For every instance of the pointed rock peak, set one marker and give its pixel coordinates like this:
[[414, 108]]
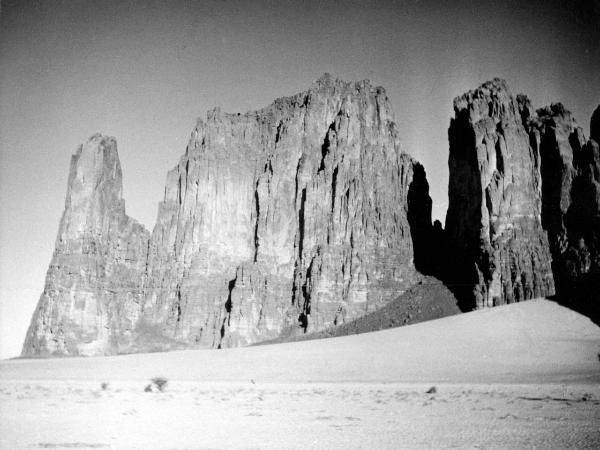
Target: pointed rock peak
[[101, 142], [595, 125], [556, 114], [326, 79], [213, 114], [95, 170], [493, 99], [555, 109], [525, 108], [99, 154], [496, 89], [495, 85]]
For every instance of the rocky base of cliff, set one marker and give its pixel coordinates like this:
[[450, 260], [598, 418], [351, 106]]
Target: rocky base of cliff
[[429, 299]]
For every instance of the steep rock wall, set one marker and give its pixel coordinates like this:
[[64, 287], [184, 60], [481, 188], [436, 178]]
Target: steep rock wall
[[498, 250], [571, 204], [284, 220], [276, 222], [92, 295]]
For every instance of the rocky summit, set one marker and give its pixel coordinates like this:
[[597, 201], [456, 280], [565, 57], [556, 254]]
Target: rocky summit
[[285, 220]]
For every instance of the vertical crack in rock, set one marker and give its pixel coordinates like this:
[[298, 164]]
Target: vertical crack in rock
[[306, 295], [301, 224], [333, 189], [228, 303], [257, 212], [325, 146], [278, 132], [178, 307], [228, 309]]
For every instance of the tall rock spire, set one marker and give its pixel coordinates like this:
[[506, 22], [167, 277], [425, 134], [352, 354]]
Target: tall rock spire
[[499, 249], [92, 294]]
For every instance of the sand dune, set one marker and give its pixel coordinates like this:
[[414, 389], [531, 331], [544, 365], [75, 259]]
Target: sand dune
[[521, 375]]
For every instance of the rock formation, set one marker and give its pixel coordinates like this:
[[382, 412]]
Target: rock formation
[[498, 250], [571, 203], [288, 219], [294, 214], [524, 203], [92, 296]]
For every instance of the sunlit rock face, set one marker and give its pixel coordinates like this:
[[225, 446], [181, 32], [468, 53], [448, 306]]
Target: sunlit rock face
[[498, 249], [92, 297], [279, 221], [283, 220]]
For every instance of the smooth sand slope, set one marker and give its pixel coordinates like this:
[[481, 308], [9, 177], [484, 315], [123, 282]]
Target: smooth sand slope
[[522, 375]]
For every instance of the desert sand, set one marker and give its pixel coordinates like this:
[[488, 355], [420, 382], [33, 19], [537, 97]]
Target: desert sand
[[525, 375]]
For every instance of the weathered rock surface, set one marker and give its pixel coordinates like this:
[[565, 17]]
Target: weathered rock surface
[[92, 297], [524, 203], [429, 299], [285, 220], [498, 250], [571, 204], [295, 214]]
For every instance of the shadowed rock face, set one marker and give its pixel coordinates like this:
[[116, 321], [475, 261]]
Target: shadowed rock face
[[556, 136], [571, 204], [595, 125], [524, 203], [285, 220], [92, 297], [498, 250]]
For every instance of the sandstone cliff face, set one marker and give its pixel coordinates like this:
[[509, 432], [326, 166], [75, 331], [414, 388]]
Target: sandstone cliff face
[[280, 221], [91, 300], [571, 203], [291, 218], [557, 138], [499, 252]]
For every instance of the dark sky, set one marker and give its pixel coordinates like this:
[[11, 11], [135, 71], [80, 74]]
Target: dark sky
[[143, 71]]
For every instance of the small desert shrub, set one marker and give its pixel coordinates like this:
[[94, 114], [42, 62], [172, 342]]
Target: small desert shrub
[[104, 386], [158, 383]]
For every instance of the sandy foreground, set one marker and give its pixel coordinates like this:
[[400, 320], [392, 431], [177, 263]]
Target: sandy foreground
[[519, 376]]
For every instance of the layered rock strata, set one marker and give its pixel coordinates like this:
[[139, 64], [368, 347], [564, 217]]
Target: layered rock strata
[[285, 220], [92, 296], [498, 250], [293, 215]]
